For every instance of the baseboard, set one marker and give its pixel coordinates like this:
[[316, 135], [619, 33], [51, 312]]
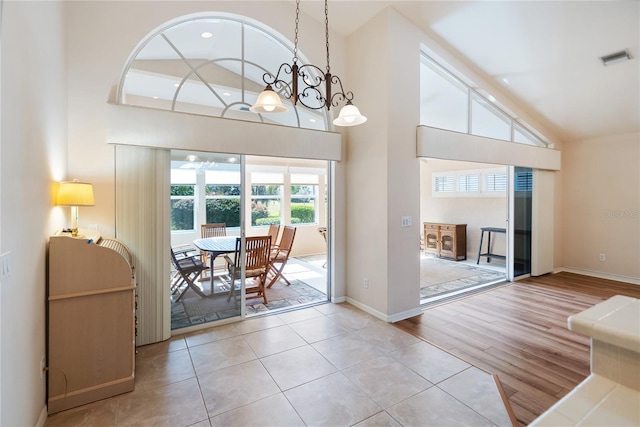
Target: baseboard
[[599, 275], [389, 319], [43, 417]]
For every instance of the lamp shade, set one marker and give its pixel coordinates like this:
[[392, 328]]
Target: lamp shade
[[349, 116], [75, 193], [268, 102]]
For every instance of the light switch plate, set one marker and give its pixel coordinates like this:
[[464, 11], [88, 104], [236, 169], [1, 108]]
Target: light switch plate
[[6, 265], [405, 221]]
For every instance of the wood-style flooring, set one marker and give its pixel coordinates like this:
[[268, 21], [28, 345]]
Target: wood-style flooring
[[519, 333]]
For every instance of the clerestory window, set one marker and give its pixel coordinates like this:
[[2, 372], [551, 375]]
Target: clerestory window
[[212, 65], [446, 102]]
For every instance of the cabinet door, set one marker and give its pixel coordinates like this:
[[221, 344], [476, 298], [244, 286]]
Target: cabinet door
[[431, 239], [447, 242]]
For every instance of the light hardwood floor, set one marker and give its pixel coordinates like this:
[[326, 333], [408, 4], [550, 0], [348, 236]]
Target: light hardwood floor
[[519, 332]]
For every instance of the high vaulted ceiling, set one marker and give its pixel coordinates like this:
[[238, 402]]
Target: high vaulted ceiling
[[544, 54]]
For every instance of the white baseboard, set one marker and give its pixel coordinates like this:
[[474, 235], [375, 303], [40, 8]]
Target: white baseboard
[[599, 275], [43, 417], [389, 319]]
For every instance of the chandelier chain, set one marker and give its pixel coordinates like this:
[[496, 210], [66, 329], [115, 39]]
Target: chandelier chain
[[326, 27], [295, 40]]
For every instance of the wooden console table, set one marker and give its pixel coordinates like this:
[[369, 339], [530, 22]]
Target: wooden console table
[[446, 240]]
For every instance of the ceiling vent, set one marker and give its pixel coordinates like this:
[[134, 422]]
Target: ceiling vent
[[613, 58]]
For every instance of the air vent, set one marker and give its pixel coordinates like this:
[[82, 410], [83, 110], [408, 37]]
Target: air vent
[[613, 58]]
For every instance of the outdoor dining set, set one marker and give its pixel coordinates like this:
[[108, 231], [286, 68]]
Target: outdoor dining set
[[264, 260]]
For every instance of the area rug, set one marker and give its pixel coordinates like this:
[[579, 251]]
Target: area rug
[[440, 276], [193, 309]]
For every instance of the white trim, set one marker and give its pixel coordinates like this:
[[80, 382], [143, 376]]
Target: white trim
[[389, 319], [43, 417], [599, 275], [147, 127], [450, 145]]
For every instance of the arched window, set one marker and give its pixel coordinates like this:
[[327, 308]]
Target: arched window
[[211, 65]]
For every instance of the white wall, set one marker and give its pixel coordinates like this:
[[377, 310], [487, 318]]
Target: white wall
[[601, 205], [33, 144]]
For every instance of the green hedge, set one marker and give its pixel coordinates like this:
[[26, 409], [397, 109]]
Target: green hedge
[[304, 213]]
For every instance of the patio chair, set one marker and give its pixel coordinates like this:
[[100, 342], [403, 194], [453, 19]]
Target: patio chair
[[189, 269], [274, 230], [280, 255], [256, 266], [180, 252], [211, 230]]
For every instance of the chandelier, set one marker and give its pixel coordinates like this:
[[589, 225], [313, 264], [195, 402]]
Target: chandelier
[[309, 85]]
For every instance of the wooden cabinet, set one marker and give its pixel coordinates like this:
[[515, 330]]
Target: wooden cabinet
[[91, 320], [446, 240]]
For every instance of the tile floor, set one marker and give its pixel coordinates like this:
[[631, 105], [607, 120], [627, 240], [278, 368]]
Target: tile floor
[[328, 365]]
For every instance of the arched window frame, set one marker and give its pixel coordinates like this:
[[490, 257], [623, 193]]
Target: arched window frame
[[304, 118]]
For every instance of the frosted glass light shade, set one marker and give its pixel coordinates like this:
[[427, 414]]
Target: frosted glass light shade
[[268, 102], [349, 116]]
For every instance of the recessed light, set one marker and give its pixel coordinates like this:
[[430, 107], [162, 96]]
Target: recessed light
[[155, 97], [232, 160], [312, 120], [226, 94], [615, 57], [206, 35], [176, 84], [491, 98]]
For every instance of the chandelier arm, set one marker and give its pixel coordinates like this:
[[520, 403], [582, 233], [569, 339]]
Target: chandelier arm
[[341, 95], [326, 32]]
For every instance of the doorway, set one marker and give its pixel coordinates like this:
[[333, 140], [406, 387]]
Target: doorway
[[248, 194], [459, 202]]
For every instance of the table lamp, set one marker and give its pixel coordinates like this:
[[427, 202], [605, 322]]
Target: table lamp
[[75, 193]]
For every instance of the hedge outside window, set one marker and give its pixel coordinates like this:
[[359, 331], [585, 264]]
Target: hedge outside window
[[304, 199], [223, 204], [182, 207]]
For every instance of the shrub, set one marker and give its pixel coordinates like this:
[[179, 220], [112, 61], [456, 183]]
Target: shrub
[[268, 220], [182, 214], [224, 210], [304, 213]]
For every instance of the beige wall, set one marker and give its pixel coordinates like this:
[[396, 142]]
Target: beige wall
[[476, 212], [382, 168], [33, 143], [601, 205]]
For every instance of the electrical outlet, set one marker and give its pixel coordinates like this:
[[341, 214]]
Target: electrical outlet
[[43, 367], [603, 257], [366, 283]]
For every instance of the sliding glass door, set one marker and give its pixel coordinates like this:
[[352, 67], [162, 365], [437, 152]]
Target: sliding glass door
[[521, 180], [250, 196]]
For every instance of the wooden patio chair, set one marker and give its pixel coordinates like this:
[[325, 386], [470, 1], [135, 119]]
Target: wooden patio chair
[[180, 252], [218, 229], [189, 269], [256, 258], [274, 231], [280, 255]]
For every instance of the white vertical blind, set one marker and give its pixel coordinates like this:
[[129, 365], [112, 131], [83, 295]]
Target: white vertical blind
[[142, 223]]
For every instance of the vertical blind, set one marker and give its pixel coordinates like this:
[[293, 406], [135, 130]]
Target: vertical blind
[[142, 223]]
